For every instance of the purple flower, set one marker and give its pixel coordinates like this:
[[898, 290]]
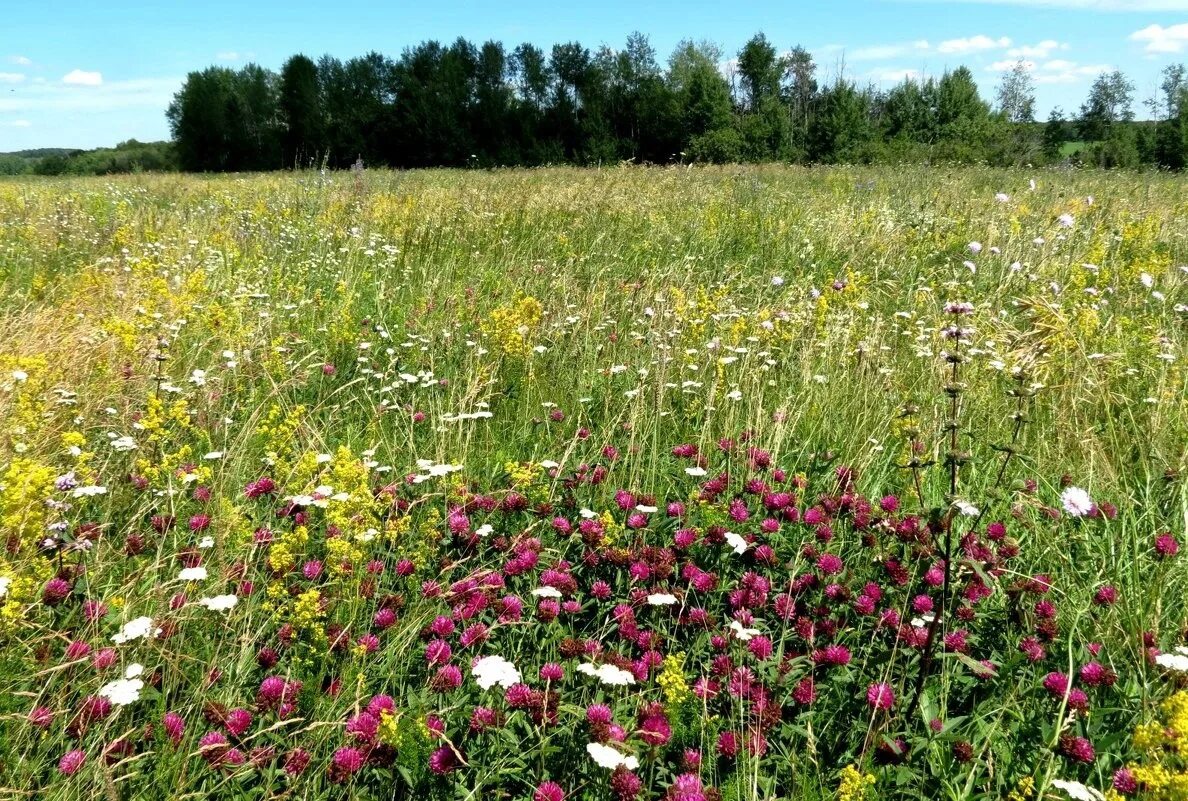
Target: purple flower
[[72, 761]]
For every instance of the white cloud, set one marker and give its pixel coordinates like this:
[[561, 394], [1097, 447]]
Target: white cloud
[[1056, 70], [142, 93], [227, 55], [972, 44], [895, 75], [1009, 64], [1041, 50], [1062, 71], [11, 77], [1159, 39], [21, 60], [1092, 5], [881, 52], [82, 78]]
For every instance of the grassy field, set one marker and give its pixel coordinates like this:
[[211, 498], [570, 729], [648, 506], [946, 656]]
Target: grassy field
[[770, 482]]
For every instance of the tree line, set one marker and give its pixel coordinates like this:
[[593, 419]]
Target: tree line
[[468, 105]]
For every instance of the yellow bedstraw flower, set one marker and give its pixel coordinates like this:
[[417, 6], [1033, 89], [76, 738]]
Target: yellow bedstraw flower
[[854, 785]]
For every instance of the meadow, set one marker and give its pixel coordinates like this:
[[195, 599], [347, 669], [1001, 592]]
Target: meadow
[[633, 483]]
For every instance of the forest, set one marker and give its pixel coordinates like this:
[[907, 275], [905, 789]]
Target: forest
[[485, 105]]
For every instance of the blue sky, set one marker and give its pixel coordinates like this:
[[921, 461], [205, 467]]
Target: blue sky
[[86, 74]]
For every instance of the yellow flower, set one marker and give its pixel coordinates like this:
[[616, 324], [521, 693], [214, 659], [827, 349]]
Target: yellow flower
[[853, 784]]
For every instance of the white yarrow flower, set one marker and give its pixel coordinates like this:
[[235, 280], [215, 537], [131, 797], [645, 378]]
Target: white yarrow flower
[[547, 592], [87, 492], [134, 630], [1177, 662], [696, 472], [219, 603], [492, 670], [661, 599], [122, 692], [192, 574], [607, 674], [123, 444]]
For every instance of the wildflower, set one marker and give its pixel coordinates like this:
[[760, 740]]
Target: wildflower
[[880, 695], [1166, 545], [853, 784], [346, 762], [1125, 782], [296, 761], [1078, 749], [1065, 221], [447, 678], [549, 791], [610, 758], [134, 630], [661, 599], [494, 670], [1076, 501], [1175, 661], [192, 574], [607, 674], [72, 762], [443, 761], [219, 603], [833, 655], [1105, 596], [363, 726], [174, 726], [55, 591], [122, 692]]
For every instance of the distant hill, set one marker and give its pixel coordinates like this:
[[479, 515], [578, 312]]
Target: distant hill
[[129, 156], [42, 152]]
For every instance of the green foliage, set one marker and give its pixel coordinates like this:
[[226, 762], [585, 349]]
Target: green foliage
[[129, 156], [461, 105]]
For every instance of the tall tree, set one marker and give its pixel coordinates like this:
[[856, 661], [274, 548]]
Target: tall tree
[[301, 111], [962, 117], [491, 123], [198, 119], [1109, 102], [759, 69], [841, 129], [1056, 133], [703, 102], [766, 126], [1016, 94], [800, 74]]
